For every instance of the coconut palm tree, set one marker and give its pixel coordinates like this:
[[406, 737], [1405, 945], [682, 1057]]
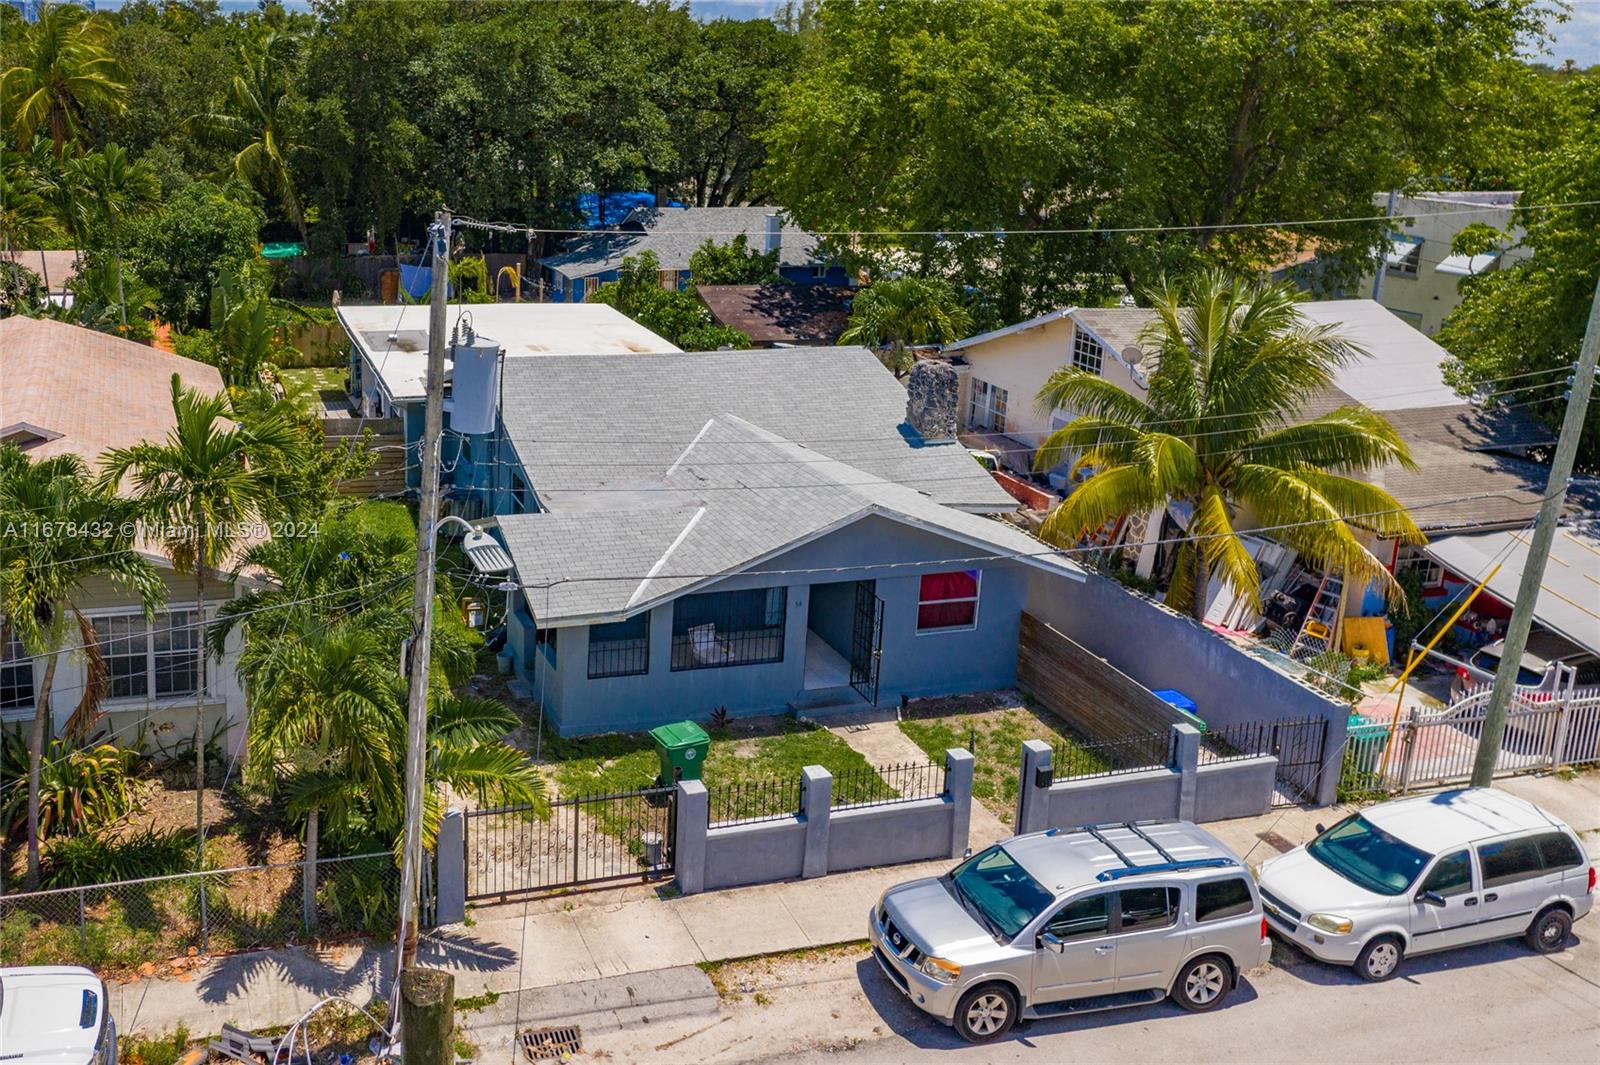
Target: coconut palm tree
[[206, 485], [63, 72], [256, 121], [889, 315], [322, 696], [1221, 429], [43, 571]]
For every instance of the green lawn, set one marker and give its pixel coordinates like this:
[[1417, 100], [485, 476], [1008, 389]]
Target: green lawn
[[315, 378], [751, 769], [993, 724]]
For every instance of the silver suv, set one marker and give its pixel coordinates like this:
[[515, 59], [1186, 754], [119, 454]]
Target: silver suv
[[1430, 873], [1064, 922]]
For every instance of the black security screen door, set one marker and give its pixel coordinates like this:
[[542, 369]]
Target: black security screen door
[[866, 642]]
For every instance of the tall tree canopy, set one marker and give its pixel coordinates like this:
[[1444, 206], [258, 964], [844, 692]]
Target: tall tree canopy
[[1028, 115], [1529, 320]]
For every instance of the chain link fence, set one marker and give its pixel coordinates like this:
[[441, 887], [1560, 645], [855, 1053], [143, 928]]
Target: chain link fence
[[124, 924]]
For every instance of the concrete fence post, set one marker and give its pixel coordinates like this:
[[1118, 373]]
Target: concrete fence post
[[816, 810], [958, 768], [450, 869], [693, 820], [1186, 760], [1033, 788]]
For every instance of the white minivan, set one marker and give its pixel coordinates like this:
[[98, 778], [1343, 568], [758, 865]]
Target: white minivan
[[1429, 873]]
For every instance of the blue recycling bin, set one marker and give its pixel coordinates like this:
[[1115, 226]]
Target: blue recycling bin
[[1181, 702]]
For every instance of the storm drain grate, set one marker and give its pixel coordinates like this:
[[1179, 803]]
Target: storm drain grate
[[551, 1044]]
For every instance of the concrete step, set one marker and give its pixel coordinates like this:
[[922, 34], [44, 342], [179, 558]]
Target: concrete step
[[815, 700]]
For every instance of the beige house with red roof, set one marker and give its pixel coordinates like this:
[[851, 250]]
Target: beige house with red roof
[[65, 389]]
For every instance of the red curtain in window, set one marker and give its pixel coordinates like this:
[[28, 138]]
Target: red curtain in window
[[947, 615], [961, 584]]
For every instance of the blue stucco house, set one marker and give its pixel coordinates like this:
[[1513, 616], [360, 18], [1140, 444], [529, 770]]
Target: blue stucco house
[[389, 357], [673, 234], [754, 530]]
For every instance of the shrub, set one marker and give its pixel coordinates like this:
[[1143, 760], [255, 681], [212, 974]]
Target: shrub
[[79, 790], [95, 859]]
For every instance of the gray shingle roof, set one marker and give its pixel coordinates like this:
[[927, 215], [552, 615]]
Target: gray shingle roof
[[604, 427], [736, 496], [674, 233]]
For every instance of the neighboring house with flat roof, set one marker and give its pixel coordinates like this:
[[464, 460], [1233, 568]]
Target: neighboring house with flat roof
[[1421, 275], [674, 234], [756, 530], [389, 361], [69, 390]]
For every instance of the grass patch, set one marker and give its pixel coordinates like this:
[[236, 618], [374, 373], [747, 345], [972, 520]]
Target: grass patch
[[474, 1003], [315, 378], [158, 1050], [994, 724], [740, 754]]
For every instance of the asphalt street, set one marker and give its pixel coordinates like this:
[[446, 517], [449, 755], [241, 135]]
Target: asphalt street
[[1493, 1003]]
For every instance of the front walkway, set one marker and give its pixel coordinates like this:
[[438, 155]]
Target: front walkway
[[534, 945]]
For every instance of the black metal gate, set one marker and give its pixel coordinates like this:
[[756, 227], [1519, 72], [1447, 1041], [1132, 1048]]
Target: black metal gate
[[866, 642], [1300, 747], [567, 843]]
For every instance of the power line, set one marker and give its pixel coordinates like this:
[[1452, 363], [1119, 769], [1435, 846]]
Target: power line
[[963, 232]]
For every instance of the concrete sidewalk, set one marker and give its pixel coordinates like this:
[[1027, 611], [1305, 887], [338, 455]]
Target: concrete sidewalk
[[584, 937]]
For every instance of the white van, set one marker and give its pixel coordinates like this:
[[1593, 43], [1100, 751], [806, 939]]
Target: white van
[[57, 1014], [1426, 874]]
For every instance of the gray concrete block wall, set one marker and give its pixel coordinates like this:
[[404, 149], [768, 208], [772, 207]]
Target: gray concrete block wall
[[1234, 789], [1147, 795], [866, 836], [1161, 648], [755, 853], [820, 839], [1186, 789]]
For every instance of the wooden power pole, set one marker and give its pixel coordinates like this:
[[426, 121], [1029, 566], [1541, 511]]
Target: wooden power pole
[[1544, 533], [422, 600]]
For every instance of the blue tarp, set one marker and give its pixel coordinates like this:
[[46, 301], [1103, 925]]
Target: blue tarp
[[417, 281], [612, 208]]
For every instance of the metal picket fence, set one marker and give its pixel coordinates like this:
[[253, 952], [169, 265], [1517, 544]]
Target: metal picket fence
[[1104, 758], [1426, 748], [123, 924]]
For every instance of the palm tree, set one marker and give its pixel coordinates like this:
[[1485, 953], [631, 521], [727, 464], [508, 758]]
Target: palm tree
[[205, 486], [891, 314], [64, 72], [110, 189], [43, 572], [322, 698], [257, 120], [1235, 364]]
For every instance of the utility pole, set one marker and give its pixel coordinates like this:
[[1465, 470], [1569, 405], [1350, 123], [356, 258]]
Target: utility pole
[[1383, 260], [422, 600], [1544, 533]]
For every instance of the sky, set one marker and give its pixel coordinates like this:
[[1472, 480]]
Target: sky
[[1578, 38]]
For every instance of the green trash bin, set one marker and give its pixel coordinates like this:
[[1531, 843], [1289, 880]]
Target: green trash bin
[[1366, 739], [681, 747]]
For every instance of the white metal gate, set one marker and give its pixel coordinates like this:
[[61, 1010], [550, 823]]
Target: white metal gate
[[1543, 730]]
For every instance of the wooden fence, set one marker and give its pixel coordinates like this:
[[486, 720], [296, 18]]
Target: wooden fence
[[1091, 694], [388, 473]]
